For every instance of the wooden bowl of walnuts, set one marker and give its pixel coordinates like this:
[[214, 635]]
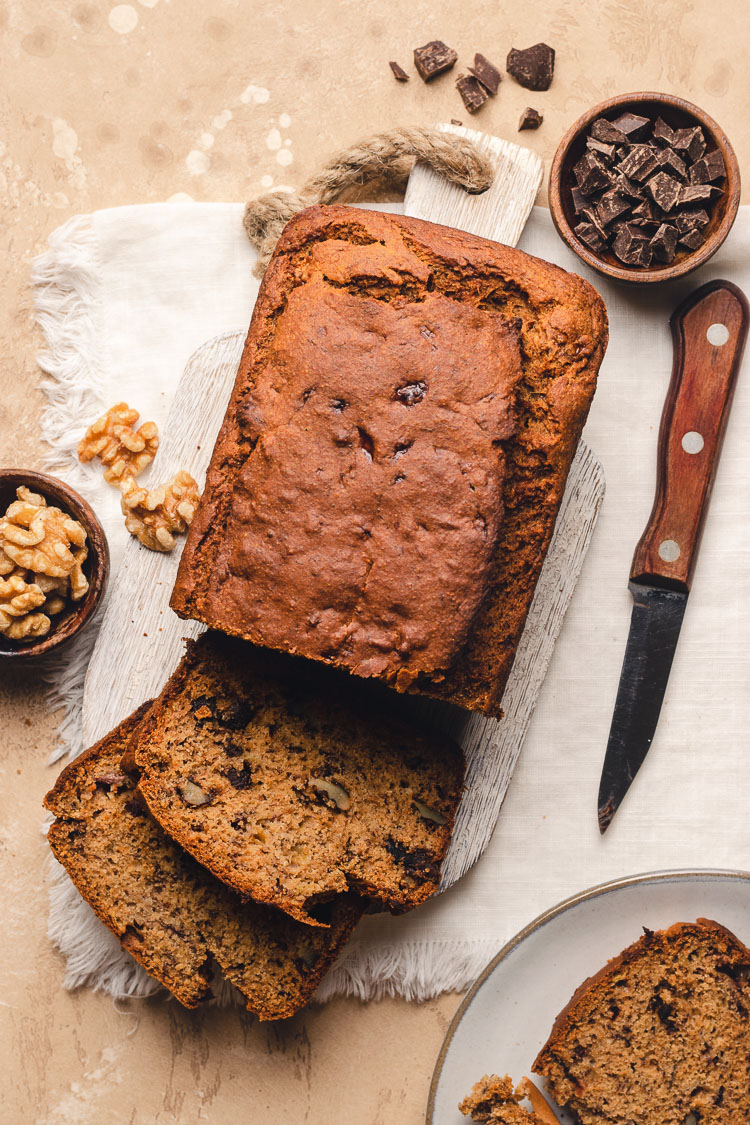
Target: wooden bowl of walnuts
[[54, 564]]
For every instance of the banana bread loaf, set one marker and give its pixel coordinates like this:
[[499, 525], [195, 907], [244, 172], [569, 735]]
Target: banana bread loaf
[[386, 481], [167, 910], [289, 782], [660, 1034]]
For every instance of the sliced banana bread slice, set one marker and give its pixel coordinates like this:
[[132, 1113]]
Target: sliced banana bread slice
[[169, 912], [660, 1034], [292, 784]]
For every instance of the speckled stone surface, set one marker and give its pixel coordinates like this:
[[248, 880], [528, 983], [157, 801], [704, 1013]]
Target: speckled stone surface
[[105, 104]]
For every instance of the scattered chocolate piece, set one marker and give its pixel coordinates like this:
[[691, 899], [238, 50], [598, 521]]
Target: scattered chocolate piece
[[690, 141], [607, 152], [631, 246], [698, 193], [531, 119], [610, 207], [663, 133], [633, 126], [588, 233], [486, 73], [664, 243], [688, 220], [472, 92], [455, 121], [603, 130], [639, 163], [398, 72], [433, 59], [709, 168], [669, 160], [664, 190], [533, 67], [591, 174], [693, 239]]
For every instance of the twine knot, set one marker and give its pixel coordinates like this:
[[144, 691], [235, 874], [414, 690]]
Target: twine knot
[[388, 158]]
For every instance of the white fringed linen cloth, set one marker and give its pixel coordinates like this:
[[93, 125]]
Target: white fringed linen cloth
[[124, 297]]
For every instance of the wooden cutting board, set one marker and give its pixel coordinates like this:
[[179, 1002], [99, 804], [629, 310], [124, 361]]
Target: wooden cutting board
[[140, 641]]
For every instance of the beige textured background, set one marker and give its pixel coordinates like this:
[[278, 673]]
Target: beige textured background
[[105, 104]]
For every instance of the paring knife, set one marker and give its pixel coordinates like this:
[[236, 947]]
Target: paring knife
[[708, 331]]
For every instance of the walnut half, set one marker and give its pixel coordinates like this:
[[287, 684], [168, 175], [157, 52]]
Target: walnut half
[[124, 451], [155, 515]]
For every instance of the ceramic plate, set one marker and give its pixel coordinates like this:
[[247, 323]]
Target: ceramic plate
[[508, 1013]]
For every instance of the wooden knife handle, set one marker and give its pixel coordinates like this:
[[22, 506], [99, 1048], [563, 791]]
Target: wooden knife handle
[[704, 373]]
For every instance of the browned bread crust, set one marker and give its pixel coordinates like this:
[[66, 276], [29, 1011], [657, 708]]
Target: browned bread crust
[[168, 911], [290, 782], [386, 481], [660, 1033]]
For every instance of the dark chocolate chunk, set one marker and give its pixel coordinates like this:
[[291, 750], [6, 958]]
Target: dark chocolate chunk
[[671, 162], [690, 141], [590, 215], [455, 121], [533, 67], [639, 163], [633, 126], [629, 187], [693, 239], [398, 72], [579, 200], [697, 193], [486, 73], [240, 779], [591, 174], [710, 167], [664, 190], [631, 246], [607, 152], [530, 119], [433, 59], [588, 233], [663, 133], [664, 243], [472, 92], [610, 207], [689, 220], [603, 130], [644, 211]]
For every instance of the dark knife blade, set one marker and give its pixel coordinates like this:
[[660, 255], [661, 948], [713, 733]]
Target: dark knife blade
[[708, 331], [654, 628]]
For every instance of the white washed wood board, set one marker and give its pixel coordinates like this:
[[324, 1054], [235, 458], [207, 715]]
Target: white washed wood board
[[148, 638]]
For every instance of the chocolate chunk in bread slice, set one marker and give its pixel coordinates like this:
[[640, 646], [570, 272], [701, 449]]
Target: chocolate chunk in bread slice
[[171, 914], [660, 1034], [388, 474], [292, 783]]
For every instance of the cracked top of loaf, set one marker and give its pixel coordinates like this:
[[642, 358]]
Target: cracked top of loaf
[[358, 491]]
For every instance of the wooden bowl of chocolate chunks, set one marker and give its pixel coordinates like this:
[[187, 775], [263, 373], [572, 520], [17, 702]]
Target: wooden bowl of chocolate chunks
[[644, 187]]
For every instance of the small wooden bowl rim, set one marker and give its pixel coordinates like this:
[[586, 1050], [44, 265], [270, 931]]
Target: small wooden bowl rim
[[68, 499], [653, 274]]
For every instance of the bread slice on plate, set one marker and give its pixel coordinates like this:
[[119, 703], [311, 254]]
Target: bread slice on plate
[[386, 481], [661, 1034], [293, 784], [170, 913]]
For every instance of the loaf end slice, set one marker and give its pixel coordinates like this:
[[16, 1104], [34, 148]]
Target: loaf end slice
[[293, 784], [166, 910], [661, 1033]]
